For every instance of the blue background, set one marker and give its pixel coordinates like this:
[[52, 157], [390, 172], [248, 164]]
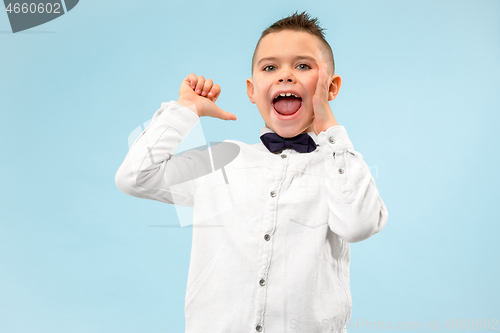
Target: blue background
[[419, 100]]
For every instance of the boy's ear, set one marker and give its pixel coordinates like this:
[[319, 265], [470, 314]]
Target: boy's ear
[[250, 90], [335, 83]]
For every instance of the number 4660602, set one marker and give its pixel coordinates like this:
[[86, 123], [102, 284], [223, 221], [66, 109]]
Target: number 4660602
[[34, 8], [471, 324]]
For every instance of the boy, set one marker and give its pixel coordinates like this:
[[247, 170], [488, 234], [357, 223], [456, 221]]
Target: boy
[[270, 250]]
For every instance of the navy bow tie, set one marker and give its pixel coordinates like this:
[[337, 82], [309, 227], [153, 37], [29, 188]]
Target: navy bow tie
[[302, 143]]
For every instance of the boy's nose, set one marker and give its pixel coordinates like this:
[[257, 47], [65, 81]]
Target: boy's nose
[[285, 76]]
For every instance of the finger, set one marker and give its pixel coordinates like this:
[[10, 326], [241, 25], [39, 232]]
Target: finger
[[199, 85], [214, 93], [327, 77], [221, 114], [322, 79], [321, 74], [191, 79], [207, 86]]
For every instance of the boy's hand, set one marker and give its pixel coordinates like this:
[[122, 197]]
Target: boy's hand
[[323, 116], [203, 94]]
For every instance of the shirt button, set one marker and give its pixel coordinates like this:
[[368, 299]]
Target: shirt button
[[267, 237], [341, 171], [258, 328], [273, 194], [283, 155], [331, 140], [262, 282]]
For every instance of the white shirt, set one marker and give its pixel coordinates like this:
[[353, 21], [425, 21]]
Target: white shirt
[[271, 231]]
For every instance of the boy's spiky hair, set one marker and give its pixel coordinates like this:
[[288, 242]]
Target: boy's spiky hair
[[300, 22]]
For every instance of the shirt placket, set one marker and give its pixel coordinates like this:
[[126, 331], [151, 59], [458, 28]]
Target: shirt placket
[[268, 228]]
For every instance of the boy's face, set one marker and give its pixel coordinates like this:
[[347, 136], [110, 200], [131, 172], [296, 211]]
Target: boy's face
[[286, 62]]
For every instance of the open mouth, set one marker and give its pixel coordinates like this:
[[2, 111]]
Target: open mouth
[[287, 104]]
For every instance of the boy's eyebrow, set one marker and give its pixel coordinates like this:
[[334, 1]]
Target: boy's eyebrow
[[302, 57]]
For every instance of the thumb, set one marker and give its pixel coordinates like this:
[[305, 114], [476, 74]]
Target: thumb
[[221, 114]]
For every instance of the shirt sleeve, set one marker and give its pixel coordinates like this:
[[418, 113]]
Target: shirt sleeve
[[151, 171], [356, 211]]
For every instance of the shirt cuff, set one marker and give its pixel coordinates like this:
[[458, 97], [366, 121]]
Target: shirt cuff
[[335, 138], [182, 118]]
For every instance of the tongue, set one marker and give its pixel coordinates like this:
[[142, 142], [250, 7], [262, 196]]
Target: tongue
[[287, 105]]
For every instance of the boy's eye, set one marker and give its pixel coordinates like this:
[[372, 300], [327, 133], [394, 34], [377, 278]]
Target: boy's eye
[[303, 66], [269, 68]]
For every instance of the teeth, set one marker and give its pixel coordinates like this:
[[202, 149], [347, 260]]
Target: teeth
[[288, 94]]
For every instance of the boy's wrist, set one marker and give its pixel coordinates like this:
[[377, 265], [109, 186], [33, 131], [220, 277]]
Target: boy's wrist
[[325, 125], [189, 105]]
